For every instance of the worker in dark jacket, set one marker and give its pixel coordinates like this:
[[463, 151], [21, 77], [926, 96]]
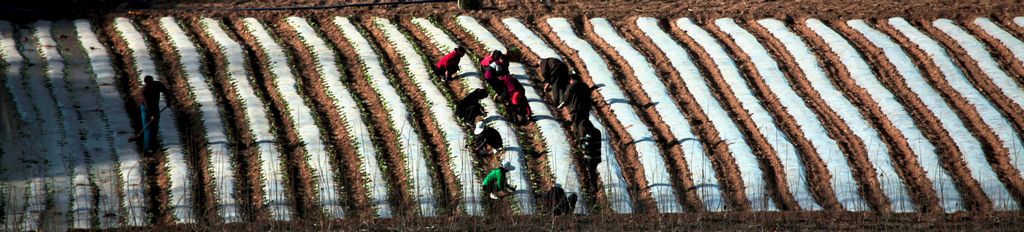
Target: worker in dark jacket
[[151, 92], [496, 183], [559, 202], [555, 76], [468, 109], [579, 100], [486, 140], [588, 141], [448, 65]]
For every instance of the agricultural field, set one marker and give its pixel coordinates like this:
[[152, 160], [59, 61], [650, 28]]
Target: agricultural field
[[334, 119]]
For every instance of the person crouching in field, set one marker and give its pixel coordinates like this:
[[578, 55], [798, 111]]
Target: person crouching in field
[[486, 140], [448, 66], [515, 95], [496, 183], [559, 202], [468, 109]]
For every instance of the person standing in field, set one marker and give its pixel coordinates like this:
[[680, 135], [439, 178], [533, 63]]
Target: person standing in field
[[588, 142], [448, 66], [151, 92], [496, 183]]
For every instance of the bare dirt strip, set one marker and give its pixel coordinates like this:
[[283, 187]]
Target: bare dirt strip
[[1009, 63], [246, 158], [383, 133], [195, 134], [155, 170], [643, 103], [421, 110], [628, 156], [817, 175], [541, 177], [924, 119], [999, 159], [717, 149], [351, 185], [767, 156], [852, 145], [531, 60], [297, 179]]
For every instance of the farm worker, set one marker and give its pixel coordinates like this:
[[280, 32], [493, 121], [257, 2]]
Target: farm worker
[[588, 140], [493, 79], [515, 96], [151, 110], [555, 75], [496, 60], [486, 140], [559, 202], [449, 64], [468, 109], [496, 181], [578, 97]]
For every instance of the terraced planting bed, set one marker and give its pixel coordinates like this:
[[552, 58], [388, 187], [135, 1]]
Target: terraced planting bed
[[292, 120]]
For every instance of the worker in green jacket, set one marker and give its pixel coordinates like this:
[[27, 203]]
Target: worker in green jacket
[[497, 181]]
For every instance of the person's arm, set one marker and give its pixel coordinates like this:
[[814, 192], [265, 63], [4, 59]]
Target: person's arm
[[167, 95]]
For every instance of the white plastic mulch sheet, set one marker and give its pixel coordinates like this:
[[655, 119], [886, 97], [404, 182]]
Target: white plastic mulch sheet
[[843, 183], [970, 147], [702, 173], [413, 151], [877, 152], [860, 72]]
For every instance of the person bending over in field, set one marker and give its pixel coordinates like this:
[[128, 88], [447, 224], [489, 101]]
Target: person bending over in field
[[151, 111], [515, 95], [577, 96], [496, 183], [468, 109], [588, 142], [559, 202], [486, 141], [555, 76], [495, 60], [448, 66]]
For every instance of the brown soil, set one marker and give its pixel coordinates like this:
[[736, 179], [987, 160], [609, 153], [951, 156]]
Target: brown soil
[[344, 161], [1013, 67], [997, 156], [540, 176], [744, 9], [500, 32], [385, 134], [727, 221], [926, 121], [817, 174], [155, 170], [725, 166], [246, 160], [666, 140], [194, 133], [851, 144], [297, 175], [421, 109], [770, 163]]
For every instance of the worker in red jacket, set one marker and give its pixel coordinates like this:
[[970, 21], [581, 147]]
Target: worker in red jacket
[[448, 66], [518, 106]]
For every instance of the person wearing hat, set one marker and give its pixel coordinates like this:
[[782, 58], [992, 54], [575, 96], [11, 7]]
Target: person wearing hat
[[496, 183], [485, 137]]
